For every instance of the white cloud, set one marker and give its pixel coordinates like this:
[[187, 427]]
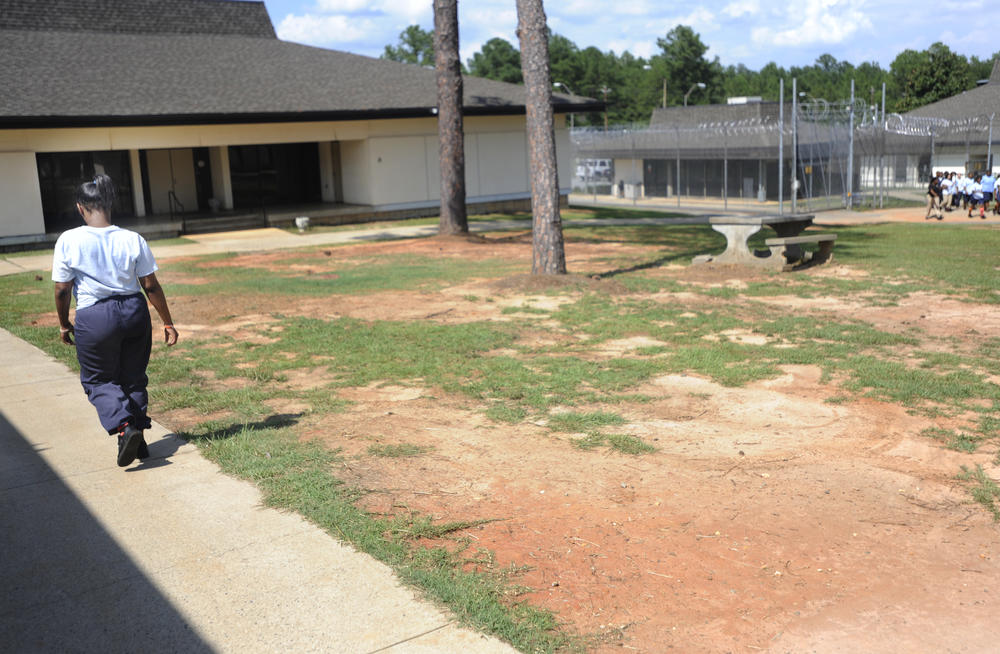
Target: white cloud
[[699, 19], [644, 49], [324, 30], [599, 10], [739, 8], [817, 21], [753, 32], [412, 11], [341, 6]]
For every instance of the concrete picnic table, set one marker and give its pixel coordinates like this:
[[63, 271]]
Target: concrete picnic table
[[739, 229]]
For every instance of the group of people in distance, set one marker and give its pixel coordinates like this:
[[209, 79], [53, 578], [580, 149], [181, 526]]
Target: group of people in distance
[[948, 191]]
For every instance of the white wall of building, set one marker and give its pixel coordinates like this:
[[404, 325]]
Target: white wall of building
[[954, 160], [355, 161], [385, 163], [21, 210], [630, 173], [399, 170]]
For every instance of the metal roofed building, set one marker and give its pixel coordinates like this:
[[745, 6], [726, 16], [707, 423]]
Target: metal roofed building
[[714, 150], [961, 127], [196, 107], [732, 150]]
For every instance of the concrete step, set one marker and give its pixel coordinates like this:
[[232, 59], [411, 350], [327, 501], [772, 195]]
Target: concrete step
[[226, 223]]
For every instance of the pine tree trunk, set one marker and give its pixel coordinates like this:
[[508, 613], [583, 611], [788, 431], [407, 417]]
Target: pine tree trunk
[[451, 132], [548, 256]]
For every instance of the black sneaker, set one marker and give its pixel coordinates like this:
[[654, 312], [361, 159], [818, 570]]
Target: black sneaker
[[128, 444], [142, 452]]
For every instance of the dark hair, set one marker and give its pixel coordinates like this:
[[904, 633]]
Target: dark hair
[[97, 194]]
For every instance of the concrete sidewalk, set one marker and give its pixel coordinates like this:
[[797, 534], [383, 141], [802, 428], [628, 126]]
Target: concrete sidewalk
[[170, 555], [272, 238]]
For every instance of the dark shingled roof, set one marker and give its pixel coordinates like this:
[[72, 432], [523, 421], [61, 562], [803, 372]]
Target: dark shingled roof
[[54, 78], [981, 101], [241, 17]]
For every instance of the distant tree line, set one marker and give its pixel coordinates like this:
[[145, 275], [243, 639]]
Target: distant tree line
[[632, 86]]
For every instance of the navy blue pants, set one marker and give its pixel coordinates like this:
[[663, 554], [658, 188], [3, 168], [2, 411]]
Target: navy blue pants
[[113, 340]]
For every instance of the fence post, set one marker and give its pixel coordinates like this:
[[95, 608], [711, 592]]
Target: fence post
[[678, 189], [881, 154], [850, 152], [989, 149], [634, 182], [725, 168], [932, 154], [781, 146], [795, 147]]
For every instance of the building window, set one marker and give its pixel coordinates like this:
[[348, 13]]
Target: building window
[[60, 173]]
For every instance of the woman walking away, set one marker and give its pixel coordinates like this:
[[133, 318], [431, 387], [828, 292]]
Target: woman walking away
[[106, 268]]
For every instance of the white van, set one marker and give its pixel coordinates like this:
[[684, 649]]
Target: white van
[[594, 169]]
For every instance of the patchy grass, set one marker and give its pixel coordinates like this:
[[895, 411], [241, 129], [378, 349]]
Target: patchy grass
[[983, 489], [296, 476], [557, 385], [624, 443], [398, 450]]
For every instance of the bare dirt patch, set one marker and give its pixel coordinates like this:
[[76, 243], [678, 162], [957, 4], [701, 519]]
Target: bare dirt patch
[[768, 519]]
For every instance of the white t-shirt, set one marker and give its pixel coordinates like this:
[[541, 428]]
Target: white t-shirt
[[101, 262]]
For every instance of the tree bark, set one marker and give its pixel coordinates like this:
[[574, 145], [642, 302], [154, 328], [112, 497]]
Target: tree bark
[[548, 256], [451, 130]]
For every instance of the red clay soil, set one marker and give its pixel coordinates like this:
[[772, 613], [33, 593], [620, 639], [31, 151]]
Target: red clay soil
[[768, 520]]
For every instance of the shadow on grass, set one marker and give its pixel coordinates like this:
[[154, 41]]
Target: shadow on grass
[[656, 263], [695, 238], [612, 213], [276, 421]]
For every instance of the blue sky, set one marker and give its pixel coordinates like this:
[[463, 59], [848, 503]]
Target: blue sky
[[752, 32]]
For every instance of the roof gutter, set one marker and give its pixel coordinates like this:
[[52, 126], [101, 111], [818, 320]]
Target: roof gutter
[[157, 120]]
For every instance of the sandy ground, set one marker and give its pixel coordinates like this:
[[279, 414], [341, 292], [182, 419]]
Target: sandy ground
[[768, 519]]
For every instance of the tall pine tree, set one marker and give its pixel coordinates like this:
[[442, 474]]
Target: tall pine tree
[[548, 252], [451, 131]]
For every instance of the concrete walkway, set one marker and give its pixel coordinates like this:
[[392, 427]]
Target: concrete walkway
[[170, 555], [272, 238]]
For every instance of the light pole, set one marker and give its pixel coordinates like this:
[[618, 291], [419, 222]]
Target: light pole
[[605, 90], [696, 85], [572, 123]]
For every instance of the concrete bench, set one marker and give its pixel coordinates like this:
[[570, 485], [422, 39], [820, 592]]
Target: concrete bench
[[790, 250]]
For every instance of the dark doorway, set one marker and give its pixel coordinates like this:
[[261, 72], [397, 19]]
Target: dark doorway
[[656, 178], [60, 173], [202, 177], [270, 175]]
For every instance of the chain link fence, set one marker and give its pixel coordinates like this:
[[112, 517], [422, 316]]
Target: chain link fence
[[843, 154]]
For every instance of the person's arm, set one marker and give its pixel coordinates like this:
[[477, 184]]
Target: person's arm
[[64, 293], [159, 301]]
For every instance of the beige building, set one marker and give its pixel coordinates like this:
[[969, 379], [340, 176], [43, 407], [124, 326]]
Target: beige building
[[206, 120]]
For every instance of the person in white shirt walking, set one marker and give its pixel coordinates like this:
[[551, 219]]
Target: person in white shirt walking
[[988, 182], [107, 268], [947, 189], [976, 195]]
